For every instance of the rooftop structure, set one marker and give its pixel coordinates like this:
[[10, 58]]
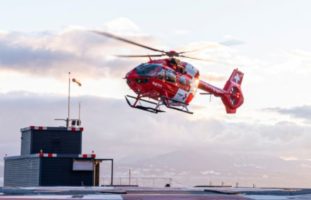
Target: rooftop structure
[[51, 156]]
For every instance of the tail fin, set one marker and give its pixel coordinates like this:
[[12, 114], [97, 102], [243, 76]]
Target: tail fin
[[233, 98]]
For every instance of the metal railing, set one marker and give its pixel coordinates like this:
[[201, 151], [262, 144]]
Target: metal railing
[[138, 181]]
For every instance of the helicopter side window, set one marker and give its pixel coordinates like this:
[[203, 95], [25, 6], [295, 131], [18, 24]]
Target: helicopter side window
[[170, 76], [147, 69], [183, 80], [161, 74], [184, 83], [190, 70]]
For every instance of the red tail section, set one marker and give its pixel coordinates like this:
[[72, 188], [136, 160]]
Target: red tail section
[[233, 97]]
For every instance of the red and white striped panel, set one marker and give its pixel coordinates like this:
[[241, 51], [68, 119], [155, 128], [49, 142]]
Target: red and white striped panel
[[47, 155], [38, 128], [73, 129], [87, 156]]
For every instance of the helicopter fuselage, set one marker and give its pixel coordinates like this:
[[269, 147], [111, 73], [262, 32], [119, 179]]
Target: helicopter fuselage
[[173, 83], [158, 79]]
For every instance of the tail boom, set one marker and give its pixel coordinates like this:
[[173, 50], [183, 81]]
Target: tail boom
[[211, 89], [231, 95]]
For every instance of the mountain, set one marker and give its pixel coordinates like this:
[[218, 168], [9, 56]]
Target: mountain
[[199, 167]]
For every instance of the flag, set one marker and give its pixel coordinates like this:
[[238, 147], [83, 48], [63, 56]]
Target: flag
[[76, 81]]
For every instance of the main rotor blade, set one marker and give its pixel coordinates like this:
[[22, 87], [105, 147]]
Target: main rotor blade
[[140, 56], [127, 41], [207, 60], [191, 51], [202, 59], [199, 49]]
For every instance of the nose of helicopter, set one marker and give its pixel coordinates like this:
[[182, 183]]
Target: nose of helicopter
[[130, 76], [135, 81]]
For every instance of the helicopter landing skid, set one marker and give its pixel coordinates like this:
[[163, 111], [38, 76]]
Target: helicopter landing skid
[[137, 104], [177, 105], [185, 110]]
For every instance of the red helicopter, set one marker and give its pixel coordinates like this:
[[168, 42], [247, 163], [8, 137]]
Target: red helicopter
[[173, 83]]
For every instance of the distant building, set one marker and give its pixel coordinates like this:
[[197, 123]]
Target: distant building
[[51, 156]]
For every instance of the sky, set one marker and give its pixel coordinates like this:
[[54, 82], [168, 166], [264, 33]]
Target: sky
[[267, 142]]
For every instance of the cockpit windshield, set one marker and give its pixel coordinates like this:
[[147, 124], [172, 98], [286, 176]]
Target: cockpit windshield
[[147, 69]]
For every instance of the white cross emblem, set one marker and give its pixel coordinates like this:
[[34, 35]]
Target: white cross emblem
[[236, 78]]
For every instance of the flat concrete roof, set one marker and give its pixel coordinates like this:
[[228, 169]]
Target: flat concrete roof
[[145, 193]]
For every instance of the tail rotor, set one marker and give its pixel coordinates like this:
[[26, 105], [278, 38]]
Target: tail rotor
[[233, 97]]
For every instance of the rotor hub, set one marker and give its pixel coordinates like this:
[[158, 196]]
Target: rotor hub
[[172, 53]]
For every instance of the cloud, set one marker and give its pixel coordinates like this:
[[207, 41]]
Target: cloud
[[299, 112], [54, 54], [210, 172], [133, 137], [12, 54], [182, 32], [171, 129], [290, 158], [301, 54], [78, 49], [122, 25], [231, 41], [73, 49]]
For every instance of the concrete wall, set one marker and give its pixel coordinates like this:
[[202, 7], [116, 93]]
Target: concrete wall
[[58, 172], [21, 172], [51, 141]]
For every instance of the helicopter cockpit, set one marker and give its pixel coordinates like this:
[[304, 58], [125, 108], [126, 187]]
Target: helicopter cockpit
[[147, 69], [167, 74]]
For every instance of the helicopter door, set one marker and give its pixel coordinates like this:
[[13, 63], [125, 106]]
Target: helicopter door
[[184, 83], [181, 95], [170, 76]]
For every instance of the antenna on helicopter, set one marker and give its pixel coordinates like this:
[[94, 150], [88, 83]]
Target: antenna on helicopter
[[207, 93]]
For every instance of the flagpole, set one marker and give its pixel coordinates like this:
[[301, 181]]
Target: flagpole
[[68, 118], [79, 110]]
